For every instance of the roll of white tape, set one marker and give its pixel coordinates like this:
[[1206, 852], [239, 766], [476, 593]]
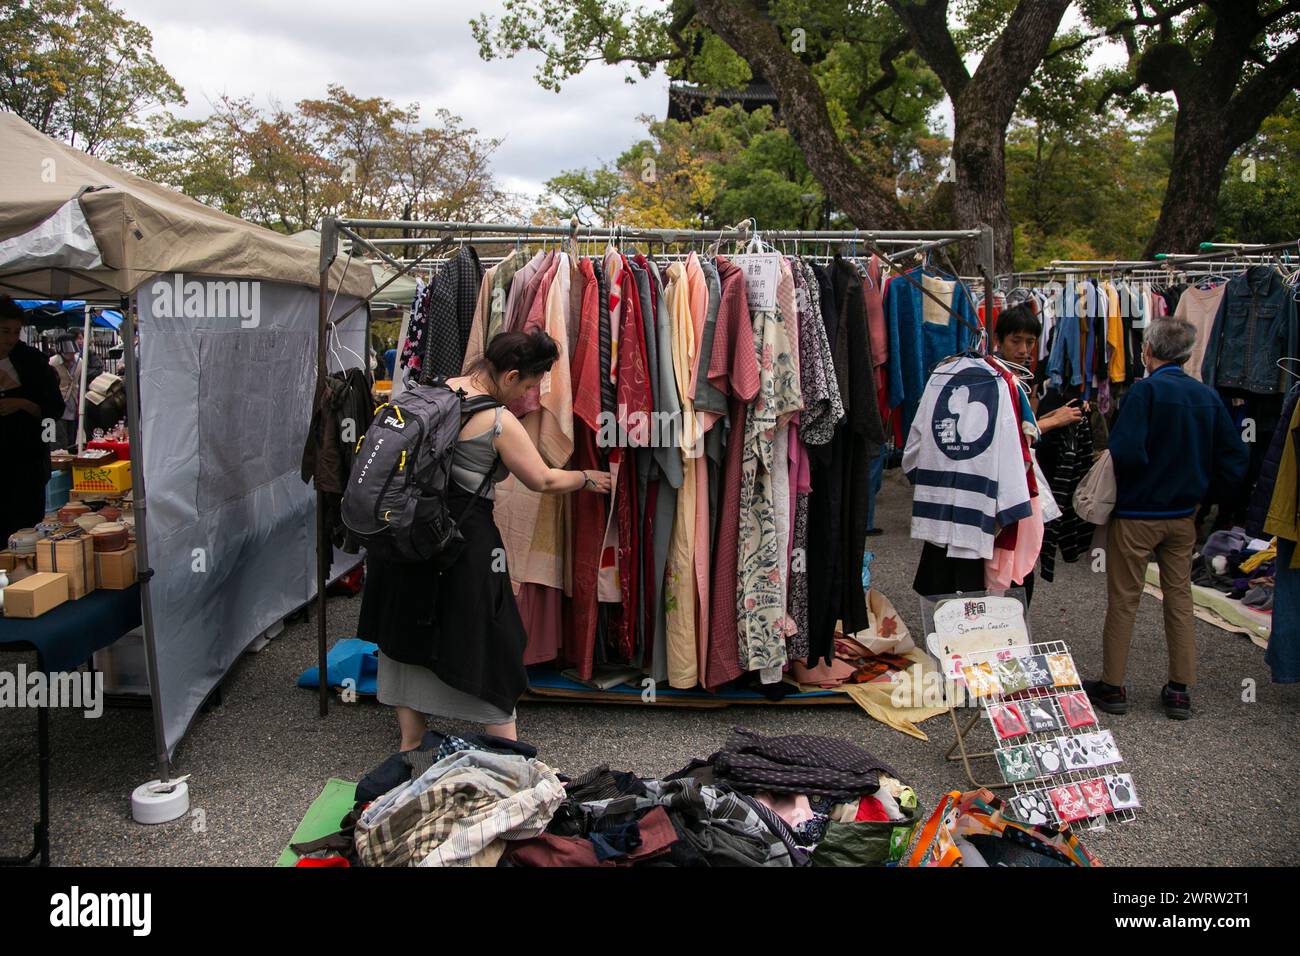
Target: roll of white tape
[[158, 802]]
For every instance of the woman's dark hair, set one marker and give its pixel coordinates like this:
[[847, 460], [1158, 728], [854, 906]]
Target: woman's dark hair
[[528, 353], [1019, 318]]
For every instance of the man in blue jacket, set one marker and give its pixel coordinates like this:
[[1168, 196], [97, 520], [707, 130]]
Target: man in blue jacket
[[1172, 443]]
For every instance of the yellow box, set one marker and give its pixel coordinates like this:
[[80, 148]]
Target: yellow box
[[113, 478]]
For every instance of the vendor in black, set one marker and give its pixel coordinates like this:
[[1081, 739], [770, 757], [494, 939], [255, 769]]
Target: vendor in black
[[29, 397], [452, 643]]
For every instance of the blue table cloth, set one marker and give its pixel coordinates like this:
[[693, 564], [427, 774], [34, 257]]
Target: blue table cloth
[[66, 637]]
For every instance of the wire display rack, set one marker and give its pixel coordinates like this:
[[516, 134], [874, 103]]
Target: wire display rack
[[1061, 749]]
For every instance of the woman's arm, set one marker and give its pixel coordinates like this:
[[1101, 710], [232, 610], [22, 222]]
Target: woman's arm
[[525, 463]]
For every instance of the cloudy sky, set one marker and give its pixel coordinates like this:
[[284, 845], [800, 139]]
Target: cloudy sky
[[292, 49], [423, 52]]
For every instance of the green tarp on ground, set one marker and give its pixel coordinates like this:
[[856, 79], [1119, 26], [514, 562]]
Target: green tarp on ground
[[322, 817]]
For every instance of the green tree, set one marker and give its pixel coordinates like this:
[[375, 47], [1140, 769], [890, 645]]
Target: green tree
[[839, 71], [590, 195], [285, 167], [79, 70], [1228, 64], [1260, 197]]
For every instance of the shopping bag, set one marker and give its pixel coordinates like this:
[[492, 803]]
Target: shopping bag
[[1094, 499]]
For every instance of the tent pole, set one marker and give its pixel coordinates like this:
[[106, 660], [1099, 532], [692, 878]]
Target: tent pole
[[328, 244], [140, 510], [81, 371], [987, 267]]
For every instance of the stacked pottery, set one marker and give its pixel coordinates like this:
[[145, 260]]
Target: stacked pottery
[[70, 512], [109, 536]]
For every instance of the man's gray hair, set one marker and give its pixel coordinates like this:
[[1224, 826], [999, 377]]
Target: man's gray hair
[[1171, 340]]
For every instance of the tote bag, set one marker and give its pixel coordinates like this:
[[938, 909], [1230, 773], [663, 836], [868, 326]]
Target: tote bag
[[1094, 499]]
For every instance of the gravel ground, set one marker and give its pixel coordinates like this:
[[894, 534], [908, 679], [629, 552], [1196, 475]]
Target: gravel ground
[[1216, 790]]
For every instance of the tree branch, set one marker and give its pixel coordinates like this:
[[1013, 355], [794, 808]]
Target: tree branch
[[847, 183], [1262, 94], [1011, 60], [1162, 17], [888, 73], [927, 23]]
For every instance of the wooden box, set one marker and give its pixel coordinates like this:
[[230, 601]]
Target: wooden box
[[115, 570], [74, 557], [35, 595]]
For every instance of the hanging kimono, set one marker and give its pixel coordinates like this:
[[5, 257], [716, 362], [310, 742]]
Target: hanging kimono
[[761, 602], [452, 307], [668, 459], [551, 402], [679, 573], [825, 445], [822, 411], [634, 408], [733, 371], [863, 439], [589, 508], [710, 415]]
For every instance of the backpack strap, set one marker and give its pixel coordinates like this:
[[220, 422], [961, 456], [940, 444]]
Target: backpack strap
[[468, 408], [474, 404]]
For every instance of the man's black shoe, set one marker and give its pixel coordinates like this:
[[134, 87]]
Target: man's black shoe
[[1112, 700], [1177, 703]]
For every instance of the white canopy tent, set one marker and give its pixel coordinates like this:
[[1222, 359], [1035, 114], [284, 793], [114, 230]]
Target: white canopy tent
[[232, 320]]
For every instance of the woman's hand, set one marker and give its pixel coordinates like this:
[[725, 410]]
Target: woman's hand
[[597, 481]]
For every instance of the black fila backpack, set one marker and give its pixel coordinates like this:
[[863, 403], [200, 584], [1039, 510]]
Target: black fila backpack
[[396, 498]]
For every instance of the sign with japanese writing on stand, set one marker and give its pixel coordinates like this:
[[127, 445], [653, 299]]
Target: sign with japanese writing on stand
[[761, 274]]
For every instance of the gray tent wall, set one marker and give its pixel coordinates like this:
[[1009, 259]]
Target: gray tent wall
[[226, 523]]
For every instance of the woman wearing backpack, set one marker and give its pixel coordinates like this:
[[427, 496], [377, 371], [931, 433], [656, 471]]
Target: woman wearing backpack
[[452, 642]]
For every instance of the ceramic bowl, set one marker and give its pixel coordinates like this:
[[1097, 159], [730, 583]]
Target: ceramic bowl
[[90, 522], [70, 512], [109, 536], [23, 541]]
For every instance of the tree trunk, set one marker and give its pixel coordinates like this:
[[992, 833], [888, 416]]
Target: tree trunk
[[1201, 154], [980, 197], [983, 105], [1217, 114]]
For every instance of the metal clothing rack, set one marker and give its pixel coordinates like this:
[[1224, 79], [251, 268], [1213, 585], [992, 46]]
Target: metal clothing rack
[[440, 237], [1211, 252]]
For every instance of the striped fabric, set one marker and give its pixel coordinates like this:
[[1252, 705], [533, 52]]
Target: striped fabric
[[965, 460], [459, 812]]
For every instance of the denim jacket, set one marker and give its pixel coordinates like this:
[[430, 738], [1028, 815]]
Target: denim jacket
[[1254, 327], [1065, 357]]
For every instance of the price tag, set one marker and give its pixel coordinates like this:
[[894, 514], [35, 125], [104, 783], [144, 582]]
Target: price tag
[[761, 274]]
